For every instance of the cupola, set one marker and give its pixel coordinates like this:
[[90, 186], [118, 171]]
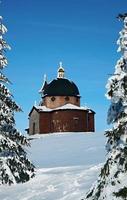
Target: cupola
[[60, 71], [60, 86]]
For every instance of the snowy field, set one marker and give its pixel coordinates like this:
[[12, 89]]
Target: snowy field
[[67, 164]]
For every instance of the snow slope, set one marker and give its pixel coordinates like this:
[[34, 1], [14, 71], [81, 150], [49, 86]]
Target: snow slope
[[67, 164]]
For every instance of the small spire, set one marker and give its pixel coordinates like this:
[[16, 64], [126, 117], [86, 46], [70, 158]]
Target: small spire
[[60, 71], [45, 78], [44, 84]]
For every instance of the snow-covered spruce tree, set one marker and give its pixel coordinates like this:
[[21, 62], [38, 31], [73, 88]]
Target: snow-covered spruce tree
[[112, 181], [14, 165]]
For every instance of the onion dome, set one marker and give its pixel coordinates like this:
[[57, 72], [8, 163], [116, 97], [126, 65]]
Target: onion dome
[[61, 87]]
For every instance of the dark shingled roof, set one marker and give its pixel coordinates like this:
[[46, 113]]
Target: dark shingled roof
[[61, 87]]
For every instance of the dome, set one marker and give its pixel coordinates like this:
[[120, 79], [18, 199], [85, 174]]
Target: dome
[[61, 69], [61, 87]]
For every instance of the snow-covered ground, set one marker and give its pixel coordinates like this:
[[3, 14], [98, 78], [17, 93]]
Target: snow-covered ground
[[67, 164]]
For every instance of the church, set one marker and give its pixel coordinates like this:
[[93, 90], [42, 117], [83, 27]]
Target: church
[[59, 109]]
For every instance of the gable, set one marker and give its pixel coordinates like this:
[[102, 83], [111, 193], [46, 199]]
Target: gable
[[34, 109]]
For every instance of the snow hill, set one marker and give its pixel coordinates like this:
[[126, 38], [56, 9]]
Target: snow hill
[[67, 165]]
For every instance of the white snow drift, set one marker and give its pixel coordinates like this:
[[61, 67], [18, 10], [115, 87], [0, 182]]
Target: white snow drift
[[67, 165]]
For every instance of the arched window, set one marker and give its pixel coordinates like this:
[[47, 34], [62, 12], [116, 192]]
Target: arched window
[[67, 98], [77, 99]]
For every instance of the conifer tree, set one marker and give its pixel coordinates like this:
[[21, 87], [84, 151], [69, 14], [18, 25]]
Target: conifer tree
[[112, 181], [14, 165]]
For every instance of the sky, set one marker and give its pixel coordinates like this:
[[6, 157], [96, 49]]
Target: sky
[[81, 34]]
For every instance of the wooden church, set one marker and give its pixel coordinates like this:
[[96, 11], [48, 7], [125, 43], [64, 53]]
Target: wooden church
[[59, 109]]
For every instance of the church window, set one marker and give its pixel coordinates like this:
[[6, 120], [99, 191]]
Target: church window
[[77, 99], [53, 98], [67, 98]]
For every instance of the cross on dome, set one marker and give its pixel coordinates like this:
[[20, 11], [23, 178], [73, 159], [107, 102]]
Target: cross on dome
[[60, 64]]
